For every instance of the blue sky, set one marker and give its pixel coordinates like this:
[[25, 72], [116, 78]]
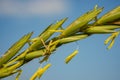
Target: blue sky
[[94, 61]]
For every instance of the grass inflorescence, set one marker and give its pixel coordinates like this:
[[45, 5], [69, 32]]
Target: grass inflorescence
[[43, 45]]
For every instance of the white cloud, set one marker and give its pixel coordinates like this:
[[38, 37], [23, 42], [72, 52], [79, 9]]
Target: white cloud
[[32, 7]]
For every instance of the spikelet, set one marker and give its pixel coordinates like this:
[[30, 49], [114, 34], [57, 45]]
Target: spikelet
[[112, 39], [106, 27], [110, 16], [111, 44], [40, 72], [18, 75], [73, 38], [67, 60], [80, 22], [95, 30], [46, 34], [14, 49], [108, 39], [35, 75], [56, 30]]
